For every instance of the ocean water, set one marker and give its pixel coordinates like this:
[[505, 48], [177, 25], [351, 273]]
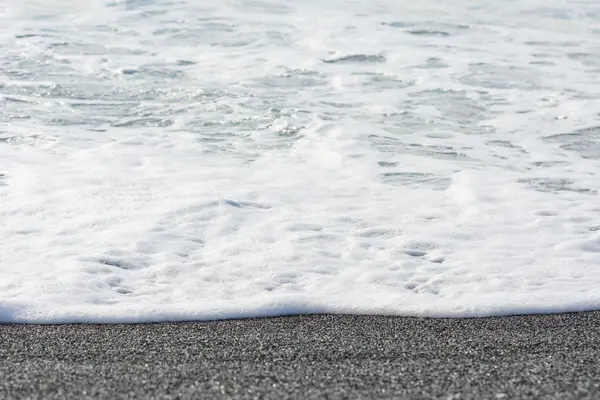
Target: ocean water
[[172, 160]]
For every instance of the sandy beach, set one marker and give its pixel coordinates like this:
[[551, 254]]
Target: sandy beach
[[313, 356]]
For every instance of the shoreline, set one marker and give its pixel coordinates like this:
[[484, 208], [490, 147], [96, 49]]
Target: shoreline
[[307, 356]]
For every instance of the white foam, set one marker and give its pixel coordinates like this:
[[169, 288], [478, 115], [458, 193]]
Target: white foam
[[372, 185]]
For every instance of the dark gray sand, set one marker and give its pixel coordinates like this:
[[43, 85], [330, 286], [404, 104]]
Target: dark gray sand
[[547, 356]]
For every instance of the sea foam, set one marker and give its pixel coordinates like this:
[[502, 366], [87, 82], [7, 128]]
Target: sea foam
[[242, 159]]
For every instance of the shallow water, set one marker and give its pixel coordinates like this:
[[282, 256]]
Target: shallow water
[[165, 160]]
